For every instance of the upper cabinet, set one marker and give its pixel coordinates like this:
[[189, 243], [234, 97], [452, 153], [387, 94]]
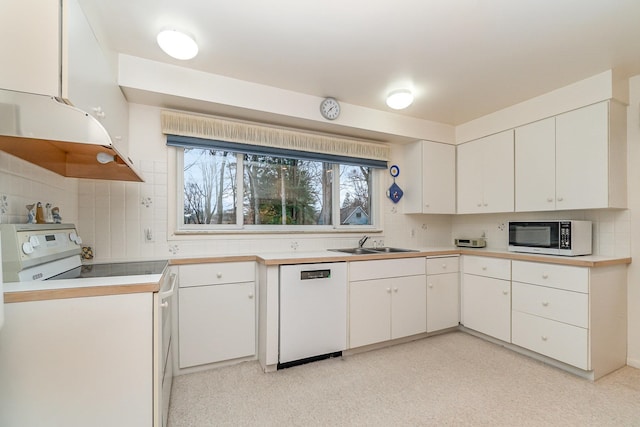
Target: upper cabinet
[[576, 160], [30, 33], [432, 186], [485, 174], [89, 82], [49, 48]]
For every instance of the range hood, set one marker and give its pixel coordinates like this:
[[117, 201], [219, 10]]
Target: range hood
[[45, 131]]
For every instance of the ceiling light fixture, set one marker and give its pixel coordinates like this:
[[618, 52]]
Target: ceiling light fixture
[[399, 99], [177, 44]]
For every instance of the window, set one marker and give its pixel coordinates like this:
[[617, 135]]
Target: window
[[225, 189]]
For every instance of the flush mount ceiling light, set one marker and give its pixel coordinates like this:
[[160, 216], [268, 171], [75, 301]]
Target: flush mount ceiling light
[[399, 99], [177, 44]]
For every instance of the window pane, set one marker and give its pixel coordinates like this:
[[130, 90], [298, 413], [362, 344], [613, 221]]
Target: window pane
[[209, 187], [355, 195], [280, 191]]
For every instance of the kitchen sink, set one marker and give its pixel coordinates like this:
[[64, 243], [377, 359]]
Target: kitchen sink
[[389, 250], [356, 251], [363, 251]]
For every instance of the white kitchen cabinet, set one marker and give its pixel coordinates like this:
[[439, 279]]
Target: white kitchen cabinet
[[443, 297], [486, 296], [216, 312], [29, 44], [485, 171], [591, 157], [576, 160], [535, 166], [576, 315], [387, 300], [78, 362], [432, 185], [88, 80]]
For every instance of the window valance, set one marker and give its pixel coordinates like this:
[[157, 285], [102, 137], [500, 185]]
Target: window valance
[[197, 129]]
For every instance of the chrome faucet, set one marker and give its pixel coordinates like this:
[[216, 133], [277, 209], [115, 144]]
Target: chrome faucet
[[362, 241]]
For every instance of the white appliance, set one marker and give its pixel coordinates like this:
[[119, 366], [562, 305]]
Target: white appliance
[[555, 237], [313, 312], [163, 363]]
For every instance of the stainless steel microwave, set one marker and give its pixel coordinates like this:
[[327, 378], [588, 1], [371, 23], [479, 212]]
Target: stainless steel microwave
[[556, 237]]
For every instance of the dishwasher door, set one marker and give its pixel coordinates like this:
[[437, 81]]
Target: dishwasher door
[[313, 310]]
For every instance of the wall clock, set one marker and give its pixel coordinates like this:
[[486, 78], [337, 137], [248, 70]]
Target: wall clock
[[330, 108]]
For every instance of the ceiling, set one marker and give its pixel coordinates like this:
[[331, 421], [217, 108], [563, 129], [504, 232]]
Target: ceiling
[[462, 58]]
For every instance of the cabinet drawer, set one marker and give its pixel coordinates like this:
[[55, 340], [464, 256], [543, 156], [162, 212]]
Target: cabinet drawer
[[565, 277], [555, 304], [216, 273], [489, 267], [365, 270], [443, 265], [557, 340]]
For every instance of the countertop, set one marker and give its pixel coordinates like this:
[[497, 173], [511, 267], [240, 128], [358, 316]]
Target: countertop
[[99, 286]]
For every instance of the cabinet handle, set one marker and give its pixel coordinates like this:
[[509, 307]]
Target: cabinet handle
[[444, 266], [388, 290], [426, 205], [479, 204], [545, 276], [485, 204], [545, 303], [505, 292], [430, 285], [549, 199], [250, 295], [560, 199], [219, 275], [164, 304], [544, 338], [395, 289], [484, 268]]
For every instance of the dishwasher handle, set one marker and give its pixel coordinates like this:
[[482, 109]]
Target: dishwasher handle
[[315, 274]]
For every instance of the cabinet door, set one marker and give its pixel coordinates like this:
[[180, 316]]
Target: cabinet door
[[216, 323], [535, 166], [485, 174], [582, 158], [486, 306], [88, 80], [30, 46], [369, 312], [408, 306], [497, 182], [438, 178], [443, 302], [469, 172]]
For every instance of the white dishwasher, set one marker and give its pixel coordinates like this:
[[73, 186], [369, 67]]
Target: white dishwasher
[[313, 312]]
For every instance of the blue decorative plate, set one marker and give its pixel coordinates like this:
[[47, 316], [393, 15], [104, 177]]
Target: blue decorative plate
[[395, 193]]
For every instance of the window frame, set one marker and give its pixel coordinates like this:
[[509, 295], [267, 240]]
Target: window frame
[[241, 228]]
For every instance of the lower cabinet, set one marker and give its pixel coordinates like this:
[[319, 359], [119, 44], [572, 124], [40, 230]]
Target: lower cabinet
[[576, 315], [78, 362], [486, 296], [216, 319], [443, 296], [389, 307]]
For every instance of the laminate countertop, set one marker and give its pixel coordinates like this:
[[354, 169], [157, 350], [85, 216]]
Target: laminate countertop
[[99, 286]]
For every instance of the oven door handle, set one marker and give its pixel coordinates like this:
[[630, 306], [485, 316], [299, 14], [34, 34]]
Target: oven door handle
[[166, 294]]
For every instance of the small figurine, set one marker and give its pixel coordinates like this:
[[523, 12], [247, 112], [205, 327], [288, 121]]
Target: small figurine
[[31, 213], [55, 212], [39, 214], [48, 215]]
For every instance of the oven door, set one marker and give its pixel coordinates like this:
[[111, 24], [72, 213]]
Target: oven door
[[534, 236]]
